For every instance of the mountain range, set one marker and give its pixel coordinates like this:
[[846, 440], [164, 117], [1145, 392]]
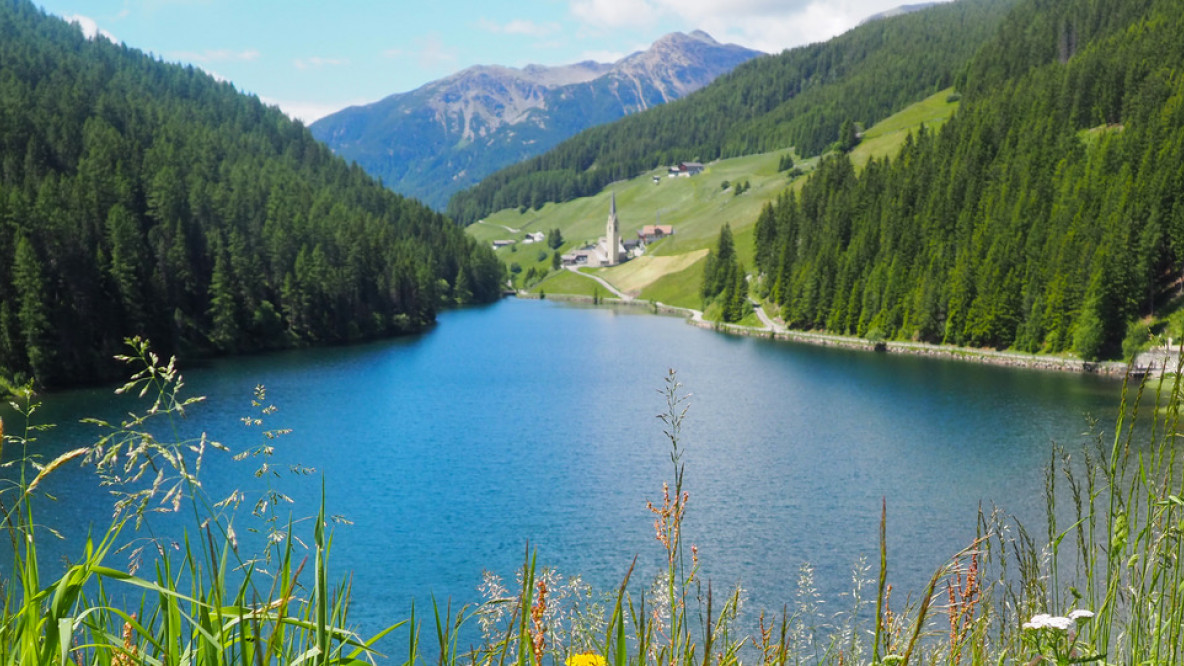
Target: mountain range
[[449, 134]]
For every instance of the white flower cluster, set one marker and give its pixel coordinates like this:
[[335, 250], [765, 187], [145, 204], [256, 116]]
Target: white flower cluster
[[1046, 621]]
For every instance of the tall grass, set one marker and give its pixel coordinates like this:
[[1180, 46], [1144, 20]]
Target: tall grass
[[206, 604], [1102, 583]]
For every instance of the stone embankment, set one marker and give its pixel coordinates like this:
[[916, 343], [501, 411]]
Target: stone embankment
[[776, 331]]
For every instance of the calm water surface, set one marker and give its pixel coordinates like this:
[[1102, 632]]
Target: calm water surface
[[535, 422]]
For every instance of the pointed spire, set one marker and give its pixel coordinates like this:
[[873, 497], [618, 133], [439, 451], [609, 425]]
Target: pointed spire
[[612, 209]]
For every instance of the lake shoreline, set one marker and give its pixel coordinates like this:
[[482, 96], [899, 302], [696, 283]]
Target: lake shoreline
[[1115, 369]]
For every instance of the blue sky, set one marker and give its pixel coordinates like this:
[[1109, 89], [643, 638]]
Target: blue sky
[[313, 58]]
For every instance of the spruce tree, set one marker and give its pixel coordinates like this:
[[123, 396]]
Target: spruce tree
[[224, 332], [28, 281], [724, 279]]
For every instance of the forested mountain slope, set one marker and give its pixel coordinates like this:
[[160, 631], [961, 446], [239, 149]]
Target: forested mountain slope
[[799, 98], [138, 198], [449, 134], [1048, 215]]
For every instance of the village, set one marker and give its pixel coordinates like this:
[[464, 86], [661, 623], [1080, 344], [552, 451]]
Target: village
[[611, 249]]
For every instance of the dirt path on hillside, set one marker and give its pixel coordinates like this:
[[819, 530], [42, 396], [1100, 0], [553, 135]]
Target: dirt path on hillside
[[770, 324], [499, 226], [616, 292]]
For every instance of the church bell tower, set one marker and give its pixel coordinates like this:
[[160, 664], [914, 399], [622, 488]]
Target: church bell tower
[[612, 235]]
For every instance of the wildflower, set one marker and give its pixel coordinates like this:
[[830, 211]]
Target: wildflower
[[1038, 621], [1046, 621], [1080, 614], [1060, 623], [586, 659], [130, 653], [536, 615]]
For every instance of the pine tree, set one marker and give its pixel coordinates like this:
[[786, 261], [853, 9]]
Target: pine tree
[[224, 327], [554, 239], [128, 255], [462, 290], [847, 136], [735, 295], [28, 281], [717, 272]]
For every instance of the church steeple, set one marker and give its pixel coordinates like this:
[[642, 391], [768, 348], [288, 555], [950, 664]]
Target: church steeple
[[612, 234]]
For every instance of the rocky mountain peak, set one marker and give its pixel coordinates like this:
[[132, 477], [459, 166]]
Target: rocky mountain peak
[[513, 113]]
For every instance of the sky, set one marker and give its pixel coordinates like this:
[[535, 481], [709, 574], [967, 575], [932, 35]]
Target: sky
[[312, 58]]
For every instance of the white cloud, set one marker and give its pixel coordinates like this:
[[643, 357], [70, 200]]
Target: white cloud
[[305, 111], [217, 77], [317, 62], [615, 13], [90, 27], [433, 52], [767, 25], [216, 55], [520, 27], [602, 56], [429, 52]]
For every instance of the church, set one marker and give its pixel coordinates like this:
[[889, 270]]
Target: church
[[610, 250]]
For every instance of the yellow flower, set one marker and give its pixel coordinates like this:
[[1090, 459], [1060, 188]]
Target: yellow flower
[[586, 659]]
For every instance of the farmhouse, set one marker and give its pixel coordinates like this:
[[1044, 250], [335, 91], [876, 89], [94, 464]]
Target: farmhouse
[[654, 232], [633, 248], [586, 256], [685, 169]]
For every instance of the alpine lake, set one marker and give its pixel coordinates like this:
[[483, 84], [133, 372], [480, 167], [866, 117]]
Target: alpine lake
[[531, 425]]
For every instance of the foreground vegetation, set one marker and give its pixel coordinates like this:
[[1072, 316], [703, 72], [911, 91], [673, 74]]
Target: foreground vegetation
[[1104, 584], [209, 604]]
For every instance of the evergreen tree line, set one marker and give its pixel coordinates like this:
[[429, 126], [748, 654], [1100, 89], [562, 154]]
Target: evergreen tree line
[[725, 282], [799, 98], [1046, 216], [139, 198]]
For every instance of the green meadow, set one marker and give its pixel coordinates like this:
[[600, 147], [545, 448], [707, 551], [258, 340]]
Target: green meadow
[[569, 283], [697, 207]]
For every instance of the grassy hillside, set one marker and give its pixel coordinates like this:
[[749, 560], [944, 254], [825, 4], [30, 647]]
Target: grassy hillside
[[569, 283], [697, 207], [800, 99]]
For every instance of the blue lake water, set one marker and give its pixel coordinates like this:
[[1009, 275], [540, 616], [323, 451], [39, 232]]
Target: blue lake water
[[530, 421]]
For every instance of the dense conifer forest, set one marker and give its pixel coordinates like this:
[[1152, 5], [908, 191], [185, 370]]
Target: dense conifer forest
[[1048, 215], [800, 98], [141, 198]]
